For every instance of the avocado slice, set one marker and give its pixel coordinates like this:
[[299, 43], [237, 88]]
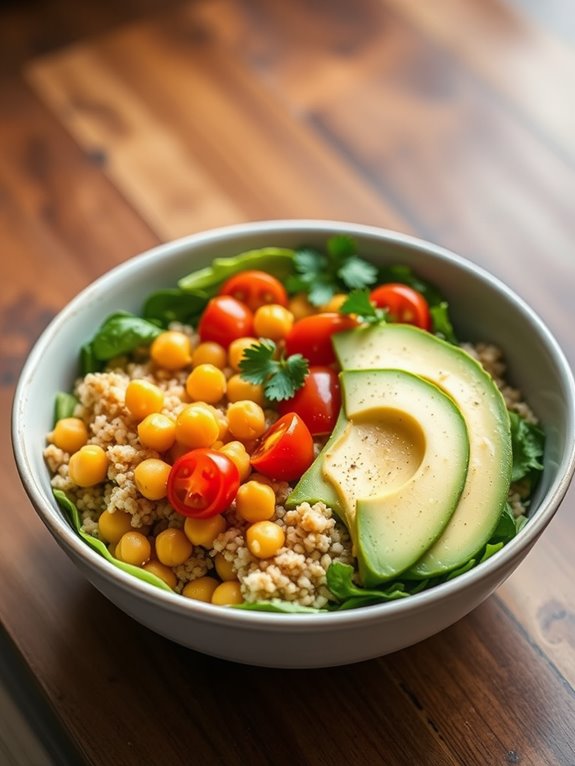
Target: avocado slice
[[483, 408]]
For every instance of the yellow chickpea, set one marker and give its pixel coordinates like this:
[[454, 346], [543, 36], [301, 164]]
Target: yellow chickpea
[[242, 390], [143, 398], [264, 539], [197, 426], [70, 434], [171, 350], [161, 571], [255, 501], [210, 353], [88, 466], [157, 431], [201, 589], [134, 548], [225, 568], [227, 593], [206, 383], [273, 321], [111, 526], [246, 420], [300, 306], [173, 547], [151, 478], [236, 351], [204, 531], [238, 454], [335, 303]]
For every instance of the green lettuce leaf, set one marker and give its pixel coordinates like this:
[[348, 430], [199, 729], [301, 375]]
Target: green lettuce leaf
[[64, 406], [73, 516]]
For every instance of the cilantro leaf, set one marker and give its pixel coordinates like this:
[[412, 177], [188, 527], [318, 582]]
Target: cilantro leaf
[[356, 273], [322, 275], [281, 377], [359, 303], [527, 441]]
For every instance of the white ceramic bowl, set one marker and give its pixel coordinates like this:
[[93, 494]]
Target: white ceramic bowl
[[482, 309]]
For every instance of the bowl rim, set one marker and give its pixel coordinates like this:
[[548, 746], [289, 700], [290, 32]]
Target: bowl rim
[[67, 537]]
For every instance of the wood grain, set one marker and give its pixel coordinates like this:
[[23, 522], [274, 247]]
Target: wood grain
[[452, 120]]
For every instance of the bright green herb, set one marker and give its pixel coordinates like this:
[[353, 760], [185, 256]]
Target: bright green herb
[[358, 302], [280, 377], [527, 441], [339, 269]]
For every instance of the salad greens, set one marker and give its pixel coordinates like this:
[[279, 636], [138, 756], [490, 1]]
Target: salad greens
[[64, 406], [339, 269], [71, 512], [281, 377], [527, 441], [277, 261], [119, 334]]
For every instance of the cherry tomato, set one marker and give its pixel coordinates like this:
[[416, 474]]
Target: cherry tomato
[[311, 336], [285, 451], [225, 319], [255, 289], [404, 304], [202, 483], [317, 402]]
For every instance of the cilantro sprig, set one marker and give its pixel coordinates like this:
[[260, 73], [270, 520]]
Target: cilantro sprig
[[321, 275], [280, 377], [359, 303]]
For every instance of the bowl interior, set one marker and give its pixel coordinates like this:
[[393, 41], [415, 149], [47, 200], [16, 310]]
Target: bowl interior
[[481, 308]]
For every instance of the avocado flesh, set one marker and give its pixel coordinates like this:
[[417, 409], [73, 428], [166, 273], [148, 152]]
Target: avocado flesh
[[398, 467], [483, 408]]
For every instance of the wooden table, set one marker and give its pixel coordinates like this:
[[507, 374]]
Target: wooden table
[[124, 124]]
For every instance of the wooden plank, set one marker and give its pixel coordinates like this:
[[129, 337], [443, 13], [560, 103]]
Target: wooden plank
[[532, 70], [200, 95]]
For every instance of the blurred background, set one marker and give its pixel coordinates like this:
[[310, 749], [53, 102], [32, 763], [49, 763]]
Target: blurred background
[[125, 123]]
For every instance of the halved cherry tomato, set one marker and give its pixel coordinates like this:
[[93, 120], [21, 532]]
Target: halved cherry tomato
[[225, 319], [404, 304], [311, 336], [317, 402], [255, 289], [202, 483], [285, 451]]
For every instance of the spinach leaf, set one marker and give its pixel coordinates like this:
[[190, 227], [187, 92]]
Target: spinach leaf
[[174, 305], [527, 441], [506, 528], [121, 333], [277, 261], [73, 516], [340, 582], [88, 362], [277, 605], [64, 406]]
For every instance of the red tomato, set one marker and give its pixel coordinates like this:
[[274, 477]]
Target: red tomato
[[404, 304], [311, 336], [285, 451], [225, 319], [317, 402], [255, 289], [202, 483]]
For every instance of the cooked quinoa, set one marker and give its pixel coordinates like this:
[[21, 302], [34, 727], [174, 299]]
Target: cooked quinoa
[[314, 537]]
